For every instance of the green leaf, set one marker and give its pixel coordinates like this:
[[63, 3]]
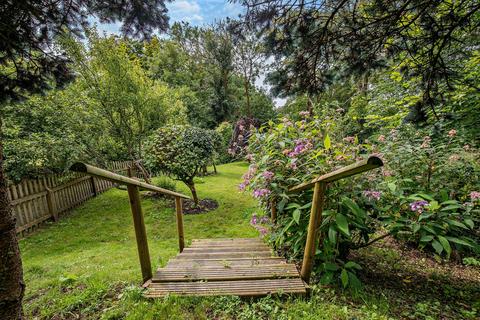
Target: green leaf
[[451, 207], [342, 223], [344, 278], [329, 266], [296, 215], [355, 283], [354, 208], [456, 223], [445, 245], [332, 235], [354, 265], [416, 227], [326, 142], [437, 246], [392, 186], [459, 241], [426, 238], [469, 222]]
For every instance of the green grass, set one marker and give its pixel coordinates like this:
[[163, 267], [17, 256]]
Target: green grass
[[86, 265]]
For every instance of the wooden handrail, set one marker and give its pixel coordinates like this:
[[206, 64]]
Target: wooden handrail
[[107, 175], [320, 184], [370, 163], [133, 187]]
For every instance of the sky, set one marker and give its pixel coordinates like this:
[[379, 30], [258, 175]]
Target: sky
[[198, 13]]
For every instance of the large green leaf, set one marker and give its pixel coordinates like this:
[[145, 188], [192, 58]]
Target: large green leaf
[[445, 245], [459, 241], [296, 215], [344, 278], [342, 223], [326, 142], [437, 246]]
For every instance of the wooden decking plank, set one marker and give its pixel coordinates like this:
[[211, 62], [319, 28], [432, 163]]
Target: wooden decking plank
[[224, 255], [239, 288], [225, 273], [226, 249], [225, 262]]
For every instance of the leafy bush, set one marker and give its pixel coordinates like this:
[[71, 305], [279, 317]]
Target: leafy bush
[[165, 183], [225, 131], [288, 153], [180, 152], [393, 199]]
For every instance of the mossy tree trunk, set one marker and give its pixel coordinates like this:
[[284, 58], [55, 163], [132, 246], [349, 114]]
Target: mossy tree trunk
[[11, 274]]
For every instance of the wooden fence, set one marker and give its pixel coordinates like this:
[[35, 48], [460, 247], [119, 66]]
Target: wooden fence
[[37, 200]]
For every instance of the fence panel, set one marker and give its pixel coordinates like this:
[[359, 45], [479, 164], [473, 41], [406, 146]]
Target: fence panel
[[37, 200]]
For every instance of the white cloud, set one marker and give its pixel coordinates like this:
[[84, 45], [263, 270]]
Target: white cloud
[[185, 10]]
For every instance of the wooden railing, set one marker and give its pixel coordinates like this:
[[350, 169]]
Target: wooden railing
[[320, 185], [133, 187]]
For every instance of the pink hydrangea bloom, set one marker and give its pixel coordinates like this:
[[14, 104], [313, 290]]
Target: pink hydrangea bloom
[[452, 133], [474, 195], [372, 195]]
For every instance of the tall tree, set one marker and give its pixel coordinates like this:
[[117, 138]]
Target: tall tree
[[249, 57], [29, 62], [316, 40]]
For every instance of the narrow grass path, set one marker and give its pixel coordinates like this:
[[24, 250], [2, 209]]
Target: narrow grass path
[[96, 242]]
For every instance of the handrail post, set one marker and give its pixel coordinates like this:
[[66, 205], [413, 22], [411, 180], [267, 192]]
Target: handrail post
[[179, 215], [140, 232], [315, 221]]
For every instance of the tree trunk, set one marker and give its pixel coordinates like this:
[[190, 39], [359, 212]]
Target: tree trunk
[[247, 95], [11, 275], [191, 185], [214, 167]]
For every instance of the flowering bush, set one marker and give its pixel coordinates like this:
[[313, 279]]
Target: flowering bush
[[285, 154], [395, 199]]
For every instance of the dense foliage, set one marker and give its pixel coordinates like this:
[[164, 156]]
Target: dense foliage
[[412, 197], [180, 152]]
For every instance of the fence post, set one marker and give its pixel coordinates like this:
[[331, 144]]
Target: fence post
[[179, 214], [51, 208], [140, 232], [94, 186], [315, 221]]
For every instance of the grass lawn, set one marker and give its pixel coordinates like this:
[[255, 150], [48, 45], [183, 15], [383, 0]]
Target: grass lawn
[[86, 265]]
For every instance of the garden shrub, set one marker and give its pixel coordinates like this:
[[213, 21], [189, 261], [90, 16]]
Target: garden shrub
[[180, 152], [225, 131], [362, 209]]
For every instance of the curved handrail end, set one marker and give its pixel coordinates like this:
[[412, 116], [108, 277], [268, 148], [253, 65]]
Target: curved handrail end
[[375, 161], [79, 167]]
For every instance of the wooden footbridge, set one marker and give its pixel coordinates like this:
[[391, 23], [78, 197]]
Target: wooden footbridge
[[242, 266]]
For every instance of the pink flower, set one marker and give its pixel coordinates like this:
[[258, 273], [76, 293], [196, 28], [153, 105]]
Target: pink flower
[[474, 195], [349, 139], [242, 186], [466, 147], [286, 151], [452, 133], [259, 193], [387, 173], [372, 195], [381, 138], [304, 114], [249, 157], [268, 175]]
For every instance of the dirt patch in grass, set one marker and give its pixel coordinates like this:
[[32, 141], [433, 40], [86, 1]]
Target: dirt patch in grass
[[205, 205]]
